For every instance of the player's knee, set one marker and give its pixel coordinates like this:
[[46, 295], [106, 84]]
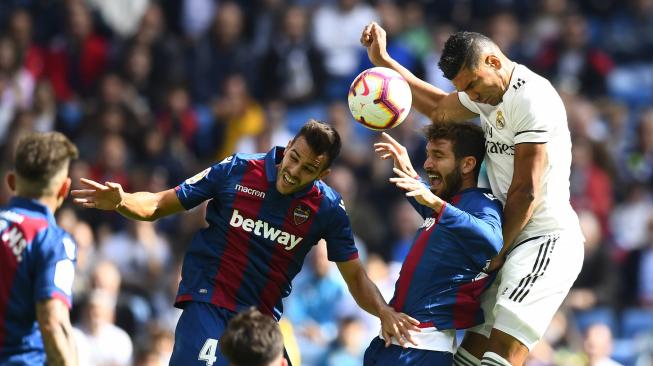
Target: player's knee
[[493, 359], [465, 358]]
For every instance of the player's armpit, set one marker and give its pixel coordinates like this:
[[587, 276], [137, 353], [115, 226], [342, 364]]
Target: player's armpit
[[54, 322], [450, 109]]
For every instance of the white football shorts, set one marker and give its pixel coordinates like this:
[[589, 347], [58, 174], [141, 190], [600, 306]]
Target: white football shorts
[[531, 285]]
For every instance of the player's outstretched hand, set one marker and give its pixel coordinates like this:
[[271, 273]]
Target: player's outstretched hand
[[106, 196], [374, 39], [389, 148], [415, 188], [397, 325]]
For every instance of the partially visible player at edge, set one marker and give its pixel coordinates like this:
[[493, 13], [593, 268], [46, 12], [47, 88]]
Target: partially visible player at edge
[[528, 150], [266, 211], [37, 258]]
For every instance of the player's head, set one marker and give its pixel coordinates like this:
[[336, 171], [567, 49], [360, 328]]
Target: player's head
[[253, 339], [454, 153], [41, 166], [476, 65], [308, 156]]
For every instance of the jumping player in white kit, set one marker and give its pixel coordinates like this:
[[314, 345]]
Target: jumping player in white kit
[[528, 157]]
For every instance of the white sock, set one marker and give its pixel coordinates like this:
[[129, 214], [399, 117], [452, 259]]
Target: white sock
[[464, 358], [493, 359]]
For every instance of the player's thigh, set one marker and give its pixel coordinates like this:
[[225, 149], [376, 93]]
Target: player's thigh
[[535, 279], [378, 355], [197, 336]]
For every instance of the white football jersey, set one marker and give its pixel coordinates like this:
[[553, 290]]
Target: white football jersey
[[531, 112]]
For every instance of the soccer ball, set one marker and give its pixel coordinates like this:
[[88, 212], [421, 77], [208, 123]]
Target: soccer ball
[[379, 98]]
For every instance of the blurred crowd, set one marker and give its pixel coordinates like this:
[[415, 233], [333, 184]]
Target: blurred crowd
[[154, 91]]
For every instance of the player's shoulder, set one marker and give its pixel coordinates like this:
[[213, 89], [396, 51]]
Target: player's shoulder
[[240, 159], [527, 85], [482, 197], [332, 200]]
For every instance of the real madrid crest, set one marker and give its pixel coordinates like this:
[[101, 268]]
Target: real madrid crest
[[300, 214], [501, 121]]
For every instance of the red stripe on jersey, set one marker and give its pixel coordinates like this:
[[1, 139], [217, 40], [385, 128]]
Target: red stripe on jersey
[[26, 231], [234, 258], [62, 297], [183, 298], [468, 303], [411, 262], [281, 257]]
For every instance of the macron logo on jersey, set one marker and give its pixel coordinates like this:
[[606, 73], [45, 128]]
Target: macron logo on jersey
[[250, 191], [263, 229]]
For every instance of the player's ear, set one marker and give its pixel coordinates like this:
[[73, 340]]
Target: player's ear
[[11, 181], [493, 61], [64, 188], [469, 164]]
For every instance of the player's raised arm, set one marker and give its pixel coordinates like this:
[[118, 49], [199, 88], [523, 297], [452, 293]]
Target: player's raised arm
[[368, 297], [433, 102], [54, 322], [146, 206]]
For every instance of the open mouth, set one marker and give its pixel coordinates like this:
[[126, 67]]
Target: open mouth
[[288, 180], [435, 180]]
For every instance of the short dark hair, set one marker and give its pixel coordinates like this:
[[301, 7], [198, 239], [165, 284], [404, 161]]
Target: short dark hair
[[322, 139], [40, 156], [467, 138], [462, 50], [252, 339]]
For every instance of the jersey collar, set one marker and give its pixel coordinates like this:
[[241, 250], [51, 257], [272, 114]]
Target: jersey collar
[[33, 205]]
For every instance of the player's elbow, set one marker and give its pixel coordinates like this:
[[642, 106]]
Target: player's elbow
[[525, 192]]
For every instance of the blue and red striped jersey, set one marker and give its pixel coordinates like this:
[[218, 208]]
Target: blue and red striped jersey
[[442, 277], [257, 238], [37, 263]]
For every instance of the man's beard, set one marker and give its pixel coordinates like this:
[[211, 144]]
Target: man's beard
[[452, 183]]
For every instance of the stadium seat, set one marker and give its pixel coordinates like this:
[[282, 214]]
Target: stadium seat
[[636, 321], [584, 319]]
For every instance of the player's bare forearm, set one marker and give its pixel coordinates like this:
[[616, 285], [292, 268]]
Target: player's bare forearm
[[426, 97], [517, 211], [362, 289], [141, 206], [57, 333]]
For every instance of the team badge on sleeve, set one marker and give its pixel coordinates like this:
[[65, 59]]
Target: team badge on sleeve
[[196, 178], [300, 214]]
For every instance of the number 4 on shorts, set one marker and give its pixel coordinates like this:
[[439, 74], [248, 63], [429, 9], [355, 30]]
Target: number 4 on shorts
[[207, 353]]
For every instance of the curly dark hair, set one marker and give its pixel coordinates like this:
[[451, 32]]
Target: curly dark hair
[[462, 50], [467, 138]]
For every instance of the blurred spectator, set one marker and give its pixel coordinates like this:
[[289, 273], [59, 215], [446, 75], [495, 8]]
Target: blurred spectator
[[598, 346], [221, 52], [140, 254], [45, 108], [99, 331], [590, 181], [504, 29], [336, 29], [237, 116], [292, 69], [30, 55], [178, 121], [571, 62], [406, 221], [122, 16], [196, 16], [86, 257], [415, 35], [313, 308], [16, 84], [111, 163], [348, 348], [637, 287], [629, 220], [638, 161], [77, 60], [433, 74], [596, 285], [628, 34], [392, 21]]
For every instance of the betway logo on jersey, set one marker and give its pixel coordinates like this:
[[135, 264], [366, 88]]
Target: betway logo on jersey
[[265, 230], [251, 191]]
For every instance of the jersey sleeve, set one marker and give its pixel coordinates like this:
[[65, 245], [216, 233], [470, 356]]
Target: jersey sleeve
[[339, 237], [532, 116], [54, 266], [480, 230], [467, 102], [421, 209], [203, 185]]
